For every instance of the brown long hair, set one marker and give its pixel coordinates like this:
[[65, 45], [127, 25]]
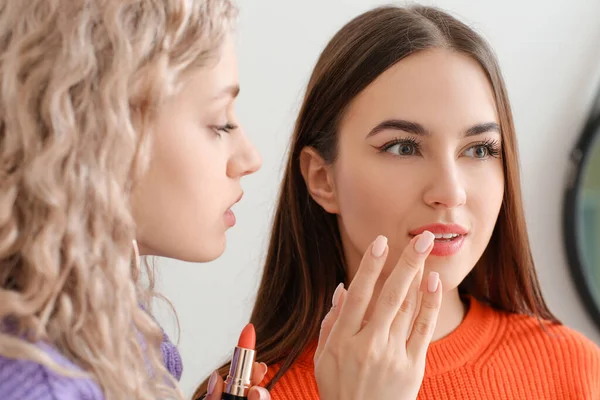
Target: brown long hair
[[305, 261]]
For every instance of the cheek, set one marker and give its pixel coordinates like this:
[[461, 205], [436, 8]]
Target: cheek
[[183, 201], [485, 198], [375, 198]]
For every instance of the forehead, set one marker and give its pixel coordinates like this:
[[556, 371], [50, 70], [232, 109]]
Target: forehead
[[437, 88], [220, 73]]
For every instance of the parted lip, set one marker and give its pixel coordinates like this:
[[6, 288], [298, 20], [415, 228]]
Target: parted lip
[[440, 228], [237, 201]]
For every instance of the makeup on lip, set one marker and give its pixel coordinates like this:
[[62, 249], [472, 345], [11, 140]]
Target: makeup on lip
[[449, 238], [238, 381], [229, 217]]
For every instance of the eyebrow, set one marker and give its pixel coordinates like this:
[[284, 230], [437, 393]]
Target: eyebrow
[[418, 129], [232, 90]]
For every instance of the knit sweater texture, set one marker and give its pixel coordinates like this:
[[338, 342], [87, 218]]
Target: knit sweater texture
[[492, 355], [27, 380]]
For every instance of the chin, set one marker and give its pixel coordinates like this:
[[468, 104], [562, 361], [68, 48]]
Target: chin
[[206, 254], [216, 250], [450, 279], [202, 251]]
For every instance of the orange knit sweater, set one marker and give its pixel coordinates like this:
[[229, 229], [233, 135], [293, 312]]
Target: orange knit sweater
[[491, 355]]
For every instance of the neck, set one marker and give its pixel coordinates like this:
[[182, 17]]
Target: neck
[[451, 315]]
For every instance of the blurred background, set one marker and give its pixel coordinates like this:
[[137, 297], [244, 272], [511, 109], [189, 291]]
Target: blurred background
[[550, 57]]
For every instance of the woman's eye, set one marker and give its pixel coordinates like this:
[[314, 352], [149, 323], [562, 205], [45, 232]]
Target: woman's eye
[[484, 150], [402, 149], [479, 151], [227, 128]]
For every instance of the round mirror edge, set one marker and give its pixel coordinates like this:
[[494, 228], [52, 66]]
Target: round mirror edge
[[577, 162]]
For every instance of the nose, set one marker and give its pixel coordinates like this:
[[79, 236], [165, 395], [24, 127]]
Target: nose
[[444, 189], [246, 159]]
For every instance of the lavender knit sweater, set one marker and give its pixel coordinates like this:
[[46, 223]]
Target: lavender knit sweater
[[26, 380]]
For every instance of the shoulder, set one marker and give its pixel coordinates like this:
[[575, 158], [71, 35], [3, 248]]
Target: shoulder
[[171, 357], [24, 379], [554, 338], [555, 347], [170, 353]]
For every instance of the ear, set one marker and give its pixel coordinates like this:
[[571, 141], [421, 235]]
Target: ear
[[319, 180]]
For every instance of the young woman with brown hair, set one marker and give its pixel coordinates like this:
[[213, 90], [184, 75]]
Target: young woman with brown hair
[[117, 129], [406, 126]]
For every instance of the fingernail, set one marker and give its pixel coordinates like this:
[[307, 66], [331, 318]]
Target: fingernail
[[432, 281], [424, 241], [379, 246], [336, 295], [263, 393], [212, 382], [266, 369]]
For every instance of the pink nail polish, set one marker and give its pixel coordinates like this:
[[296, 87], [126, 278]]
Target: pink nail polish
[[263, 393], [424, 241], [265, 368], [432, 281], [379, 246], [336, 295], [212, 382]]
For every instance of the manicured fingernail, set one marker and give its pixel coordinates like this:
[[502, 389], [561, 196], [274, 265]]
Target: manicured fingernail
[[263, 393], [379, 246], [432, 281], [265, 368], [424, 241], [212, 382], [336, 295]]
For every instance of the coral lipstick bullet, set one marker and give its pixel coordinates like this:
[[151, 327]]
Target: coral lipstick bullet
[[238, 381]]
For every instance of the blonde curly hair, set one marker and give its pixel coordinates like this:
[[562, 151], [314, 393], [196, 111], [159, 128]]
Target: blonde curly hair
[[81, 82]]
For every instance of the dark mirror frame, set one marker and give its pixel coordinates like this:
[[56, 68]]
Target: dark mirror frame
[[577, 163]]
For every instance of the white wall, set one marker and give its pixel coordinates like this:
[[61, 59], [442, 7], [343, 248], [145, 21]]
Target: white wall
[[549, 53]]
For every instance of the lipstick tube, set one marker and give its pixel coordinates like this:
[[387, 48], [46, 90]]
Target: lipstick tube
[[239, 378]]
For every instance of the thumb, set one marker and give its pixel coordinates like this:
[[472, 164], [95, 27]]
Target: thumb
[[258, 393], [330, 319], [214, 390]]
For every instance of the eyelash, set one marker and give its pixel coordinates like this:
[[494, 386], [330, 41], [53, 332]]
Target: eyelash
[[492, 146], [227, 128], [410, 141]]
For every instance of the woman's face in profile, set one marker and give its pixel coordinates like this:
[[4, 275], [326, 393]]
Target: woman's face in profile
[[199, 155]]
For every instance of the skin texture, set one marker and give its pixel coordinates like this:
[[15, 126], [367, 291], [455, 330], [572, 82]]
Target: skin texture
[[196, 167], [200, 154], [378, 187]]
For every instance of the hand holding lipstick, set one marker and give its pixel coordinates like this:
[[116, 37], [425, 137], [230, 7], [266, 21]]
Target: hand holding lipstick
[[244, 374], [383, 358]]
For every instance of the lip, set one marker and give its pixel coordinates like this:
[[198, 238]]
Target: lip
[[237, 201], [239, 198], [229, 216], [440, 228], [445, 247]]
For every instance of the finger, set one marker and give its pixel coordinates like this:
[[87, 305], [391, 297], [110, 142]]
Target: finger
[[391, 302], [426, 321], [214, 390], [258, 393], [258, 373], [400, 329], [360, 291], [330, 319]]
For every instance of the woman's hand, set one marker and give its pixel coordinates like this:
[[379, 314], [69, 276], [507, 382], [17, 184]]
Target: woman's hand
[[383, 358], [216, 385]]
